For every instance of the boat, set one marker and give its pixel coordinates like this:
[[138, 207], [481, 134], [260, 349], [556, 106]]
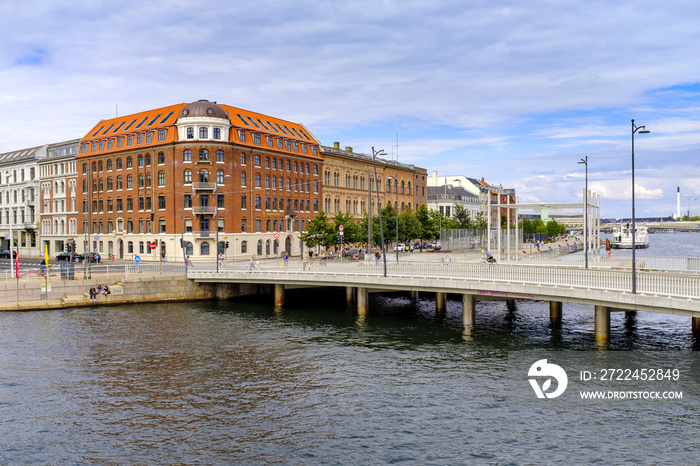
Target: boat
[[622, 236]]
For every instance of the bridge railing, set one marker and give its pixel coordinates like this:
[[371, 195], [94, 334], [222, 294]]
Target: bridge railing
[[652, 282]]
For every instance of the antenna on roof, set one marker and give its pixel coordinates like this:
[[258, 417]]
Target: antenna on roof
[[116, 110]]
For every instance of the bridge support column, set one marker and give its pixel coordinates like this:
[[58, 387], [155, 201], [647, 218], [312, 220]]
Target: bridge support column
[[440, 302], [362, 301], [279, 296], [602, 324], [350, 294], [414, 296], [468, 310], [696, 326], [555, 313]]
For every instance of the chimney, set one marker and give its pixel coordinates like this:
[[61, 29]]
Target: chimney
[[348, 149], [336, 145]]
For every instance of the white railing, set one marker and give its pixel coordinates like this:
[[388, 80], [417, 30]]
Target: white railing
[[153, 270], [608, 279]]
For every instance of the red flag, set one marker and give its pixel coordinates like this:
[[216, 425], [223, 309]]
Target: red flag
[[16, 264]]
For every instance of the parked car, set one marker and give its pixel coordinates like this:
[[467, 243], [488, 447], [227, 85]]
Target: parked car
[[352, 253], [93, 257], [6, 254], [65, 256]]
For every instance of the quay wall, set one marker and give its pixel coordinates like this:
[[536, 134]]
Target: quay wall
[[29, 294]]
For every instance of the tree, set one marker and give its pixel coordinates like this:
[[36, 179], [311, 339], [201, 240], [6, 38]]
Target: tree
[[319, 231], [481, 222], [462, 216]]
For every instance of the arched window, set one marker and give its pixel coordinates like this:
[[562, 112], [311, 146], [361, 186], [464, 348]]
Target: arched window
[[119, 164], [129, 162], [203, 153], [203, 176], [189, 249], [267, 247], [187, 155], [242, 178], [244, 247], [260, 247], [204, 249]]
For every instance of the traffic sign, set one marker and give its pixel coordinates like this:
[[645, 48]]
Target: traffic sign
[[276, 235], [341, 228], [154, 245], [137, 259]]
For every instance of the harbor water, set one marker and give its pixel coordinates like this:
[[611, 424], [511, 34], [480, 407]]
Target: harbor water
[[234, 382]]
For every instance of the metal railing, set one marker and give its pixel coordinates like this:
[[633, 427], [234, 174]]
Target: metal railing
[[608, 279]]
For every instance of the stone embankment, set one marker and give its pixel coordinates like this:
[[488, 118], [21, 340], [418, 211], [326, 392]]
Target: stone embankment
[[29, 293]]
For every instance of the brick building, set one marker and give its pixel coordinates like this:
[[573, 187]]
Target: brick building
[[197, 172]]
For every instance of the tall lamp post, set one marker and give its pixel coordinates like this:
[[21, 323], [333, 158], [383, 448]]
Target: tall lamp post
[[396, 207], [585, 210], [216, 215], [640, 130], [379, 204]]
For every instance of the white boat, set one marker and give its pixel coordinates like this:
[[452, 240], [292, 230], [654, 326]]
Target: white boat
[[622, 236]]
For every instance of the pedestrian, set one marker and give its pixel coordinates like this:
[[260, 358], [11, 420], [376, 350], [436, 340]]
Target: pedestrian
[[251, 263], [105, 290], [377, 256], [220, 258], [305, 262], [93, 293], [322, 257], [162, 256], [188, 263]]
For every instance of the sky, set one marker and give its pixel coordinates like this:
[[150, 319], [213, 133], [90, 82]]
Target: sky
[[510, 91]]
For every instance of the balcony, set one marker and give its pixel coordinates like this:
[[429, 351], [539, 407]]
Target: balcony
[[203, 186], [204, 210], [29, 226], [203, 233]]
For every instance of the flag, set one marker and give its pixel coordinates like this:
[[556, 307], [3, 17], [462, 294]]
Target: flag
[[46, 256]]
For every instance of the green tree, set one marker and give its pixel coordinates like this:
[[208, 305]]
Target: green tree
[[319, 231], [481, 222], [462, 216], [409, 226]]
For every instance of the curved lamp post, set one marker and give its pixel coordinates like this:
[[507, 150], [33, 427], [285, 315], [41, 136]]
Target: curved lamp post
[[585, 214], [396, 207], [376, 181], [640, 130]]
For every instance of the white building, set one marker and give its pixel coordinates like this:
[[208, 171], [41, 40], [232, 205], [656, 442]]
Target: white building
[[59, 212], [19, 187]]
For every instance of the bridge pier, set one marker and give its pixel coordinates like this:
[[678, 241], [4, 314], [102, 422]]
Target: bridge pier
[[555, 313], [696, 326], [350, 294], [468, 310], [279, 296], [362, 301], [440, 301], [414, 296], [602, 324]]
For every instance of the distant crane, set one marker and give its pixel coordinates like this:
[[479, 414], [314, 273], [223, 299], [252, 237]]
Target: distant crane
[[690, 199]]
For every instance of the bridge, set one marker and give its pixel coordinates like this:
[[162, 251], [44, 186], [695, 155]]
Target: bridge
[[607, 289]]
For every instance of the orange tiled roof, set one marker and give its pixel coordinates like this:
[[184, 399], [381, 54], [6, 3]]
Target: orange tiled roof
[[96, 141]]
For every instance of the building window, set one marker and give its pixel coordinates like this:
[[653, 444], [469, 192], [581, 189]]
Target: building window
[[256, 139], [203, 154], [203, 132], [129, 162], [244, 202], [129, 204], [149, 137], [188, 201], [161, 179], [217, 133], [242, 159], [241, 135], [220, 176], [129, 182], [219, 155], [119, 164], [161, 158], [161, 134], [190, 133], [257, 161], [188, 176], [161, 202], [109, 165], [257, 180], [187, 155], [242, 178], [244, 244], [139, 138]]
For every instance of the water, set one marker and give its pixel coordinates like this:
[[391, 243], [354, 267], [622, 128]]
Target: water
[[234, 382]]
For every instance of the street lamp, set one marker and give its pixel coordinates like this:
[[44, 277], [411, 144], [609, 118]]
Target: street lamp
[[396, 207], [216, 215], [640, 130], [376, 180], [585, 215]]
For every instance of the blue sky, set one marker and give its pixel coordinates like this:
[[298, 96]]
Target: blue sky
[[514, 92]]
